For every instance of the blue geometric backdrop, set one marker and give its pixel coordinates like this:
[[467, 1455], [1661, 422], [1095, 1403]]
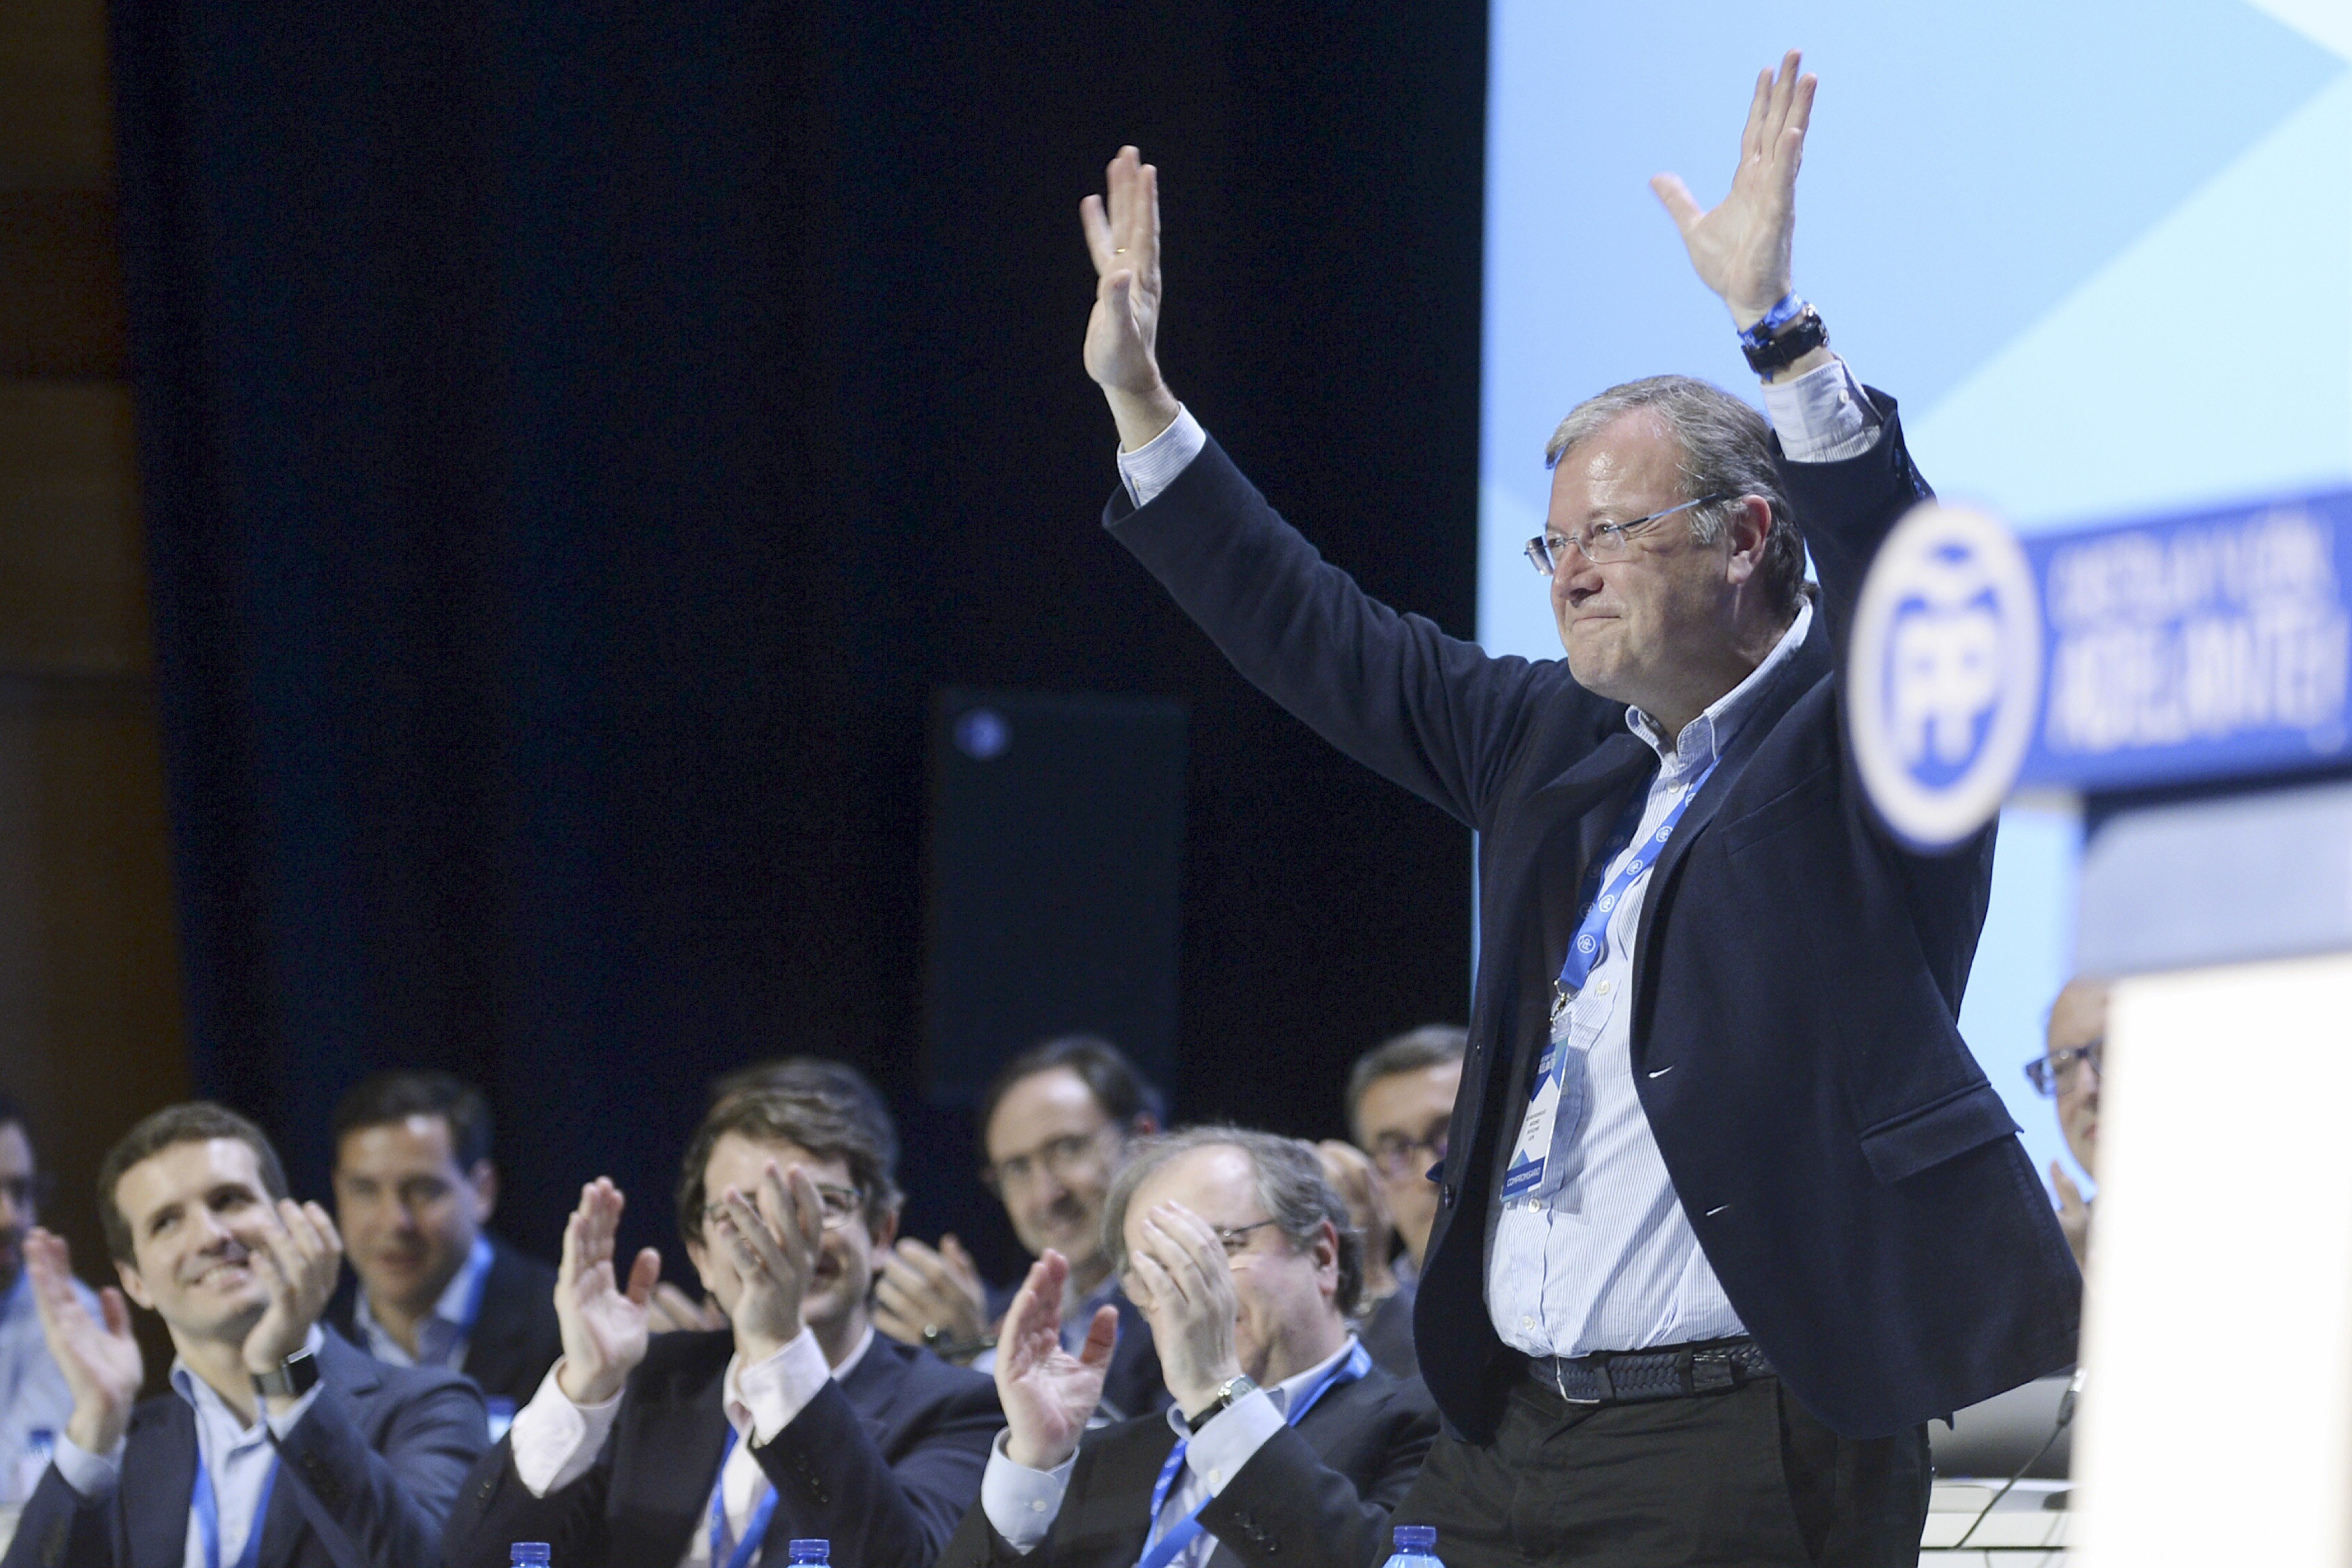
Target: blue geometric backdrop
[[2100, 251]]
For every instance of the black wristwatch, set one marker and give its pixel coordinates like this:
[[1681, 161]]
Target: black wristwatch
[[290, 1378], [1800, 336], [1231, 1392]]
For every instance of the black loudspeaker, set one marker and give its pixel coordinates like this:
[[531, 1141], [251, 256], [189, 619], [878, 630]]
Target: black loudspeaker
[[1056, 844]]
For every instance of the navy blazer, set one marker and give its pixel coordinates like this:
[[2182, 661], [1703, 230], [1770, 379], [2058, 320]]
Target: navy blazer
[[1851, 1175], [1316, 1495], [364, 1479], [515, 1339], [882, 1464]]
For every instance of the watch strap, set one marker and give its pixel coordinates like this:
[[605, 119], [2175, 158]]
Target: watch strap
[[1229, 1393], [1804, 333], [289, 1379]]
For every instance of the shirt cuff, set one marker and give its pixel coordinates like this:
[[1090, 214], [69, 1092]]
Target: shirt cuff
[[279, 1425], [553, 1440], [779, 1388], [93, 1475], [1822, 416], [1153, 466], [1019, 1501], [1219, 1449]]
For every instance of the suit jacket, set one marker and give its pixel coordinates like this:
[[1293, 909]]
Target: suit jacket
[[1317, 1494], [881, 1464], [1132, 1386], [1849, 1171], [364, 1478], [1387, 1333], [515, 1340]]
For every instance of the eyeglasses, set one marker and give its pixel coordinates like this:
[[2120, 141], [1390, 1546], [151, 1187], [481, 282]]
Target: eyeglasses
[[29, 1191], [2057, 1073], [1394, 1152], [1601, 541], [1062, 1156], [837, 1205]]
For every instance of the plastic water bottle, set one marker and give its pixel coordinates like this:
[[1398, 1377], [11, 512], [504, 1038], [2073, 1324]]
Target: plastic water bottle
[[527, 1554], [1416, 1547], [813, 1553]]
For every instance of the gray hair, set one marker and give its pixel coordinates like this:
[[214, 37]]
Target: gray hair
[[1290, 1188], [1428, 1046], [1727, 450]]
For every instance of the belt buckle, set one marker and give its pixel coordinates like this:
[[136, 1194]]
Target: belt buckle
[[1712, 1370]]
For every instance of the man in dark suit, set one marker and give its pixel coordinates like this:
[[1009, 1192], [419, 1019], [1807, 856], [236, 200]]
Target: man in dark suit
[[274, 1425], [1056, 1126], [1728, 1211], [429, 1287], [1285, 1444], [798, 1421]]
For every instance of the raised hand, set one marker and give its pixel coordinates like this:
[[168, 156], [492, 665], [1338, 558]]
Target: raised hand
[[1122, 234], [773, 1245], [100, 1358], [1741, 246], [672, 1310], [301, 1255], [1187, 1295], [603, 1321], [2073, 1215], [930, 1298], [1048, 1394]]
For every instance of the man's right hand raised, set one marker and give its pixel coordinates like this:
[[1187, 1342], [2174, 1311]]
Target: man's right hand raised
[[99, 1360], [1048, 1394], [1122, 335], [605, 1323]]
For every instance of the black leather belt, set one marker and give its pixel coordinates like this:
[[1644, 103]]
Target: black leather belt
[[1628, 1377]]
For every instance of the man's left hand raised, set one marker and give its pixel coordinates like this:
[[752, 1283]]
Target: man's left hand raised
[[1741, 246]]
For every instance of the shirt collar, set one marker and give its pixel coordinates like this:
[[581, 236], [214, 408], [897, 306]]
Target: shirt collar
[[1703, 739], [455, 1300], [210, 1407]]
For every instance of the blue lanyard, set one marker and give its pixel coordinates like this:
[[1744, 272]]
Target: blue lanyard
[[725, 1551], [1180, 1534], [206, 1508], [1589, 946]]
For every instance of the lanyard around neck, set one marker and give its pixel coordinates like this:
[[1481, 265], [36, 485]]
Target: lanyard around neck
[[1589, 946], [207, 1508], [1180, 1534], [726, 1552]]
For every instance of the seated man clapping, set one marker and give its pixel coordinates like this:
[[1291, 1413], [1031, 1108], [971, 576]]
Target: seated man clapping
[[1285, 1446]]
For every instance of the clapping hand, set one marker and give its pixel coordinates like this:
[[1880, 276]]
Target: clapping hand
[[98, 1357], [1741, 248], [301, 1254], [1184, 1283], [672, 1310], [774, 1246], [1122, 232], [605, 1323], [931, 1298], [1048, 1394]]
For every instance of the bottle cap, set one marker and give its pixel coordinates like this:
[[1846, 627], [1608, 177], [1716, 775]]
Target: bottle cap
[[1416, 1537], [527, 1552], [812, 1550]]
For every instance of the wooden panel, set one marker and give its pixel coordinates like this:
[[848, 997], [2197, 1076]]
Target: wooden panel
[[72, 591], [61, 285], [55, 106]]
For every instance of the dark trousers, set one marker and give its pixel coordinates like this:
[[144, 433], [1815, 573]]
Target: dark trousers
[[1743, 1477]]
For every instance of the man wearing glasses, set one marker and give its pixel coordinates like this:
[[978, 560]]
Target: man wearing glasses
[[1729, 1211], [1400, 1100], [1286, 1443], [1057, 1126], [719, 1447], [2069, 1072], [34, 1399]]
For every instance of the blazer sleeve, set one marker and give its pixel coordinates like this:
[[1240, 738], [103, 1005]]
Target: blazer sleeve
[[976, 1545], [1427, 711], [1845, 509], [495, 1510], [385, 1507], [61, 1529], [886, 1515], [1289, 1505]]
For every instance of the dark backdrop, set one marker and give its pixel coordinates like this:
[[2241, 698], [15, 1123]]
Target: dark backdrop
[[579, 438]]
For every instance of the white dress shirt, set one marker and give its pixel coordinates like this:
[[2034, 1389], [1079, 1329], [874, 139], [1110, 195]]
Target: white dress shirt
[[446, 1333], [33, 1393], [1607, 1261], [1022, 1502], [555, 1442], [239, 1458]]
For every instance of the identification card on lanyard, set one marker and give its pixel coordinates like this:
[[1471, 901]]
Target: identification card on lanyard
[[1556, 1103], [726, 1552], [205, 1507], [1159, 1554]]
